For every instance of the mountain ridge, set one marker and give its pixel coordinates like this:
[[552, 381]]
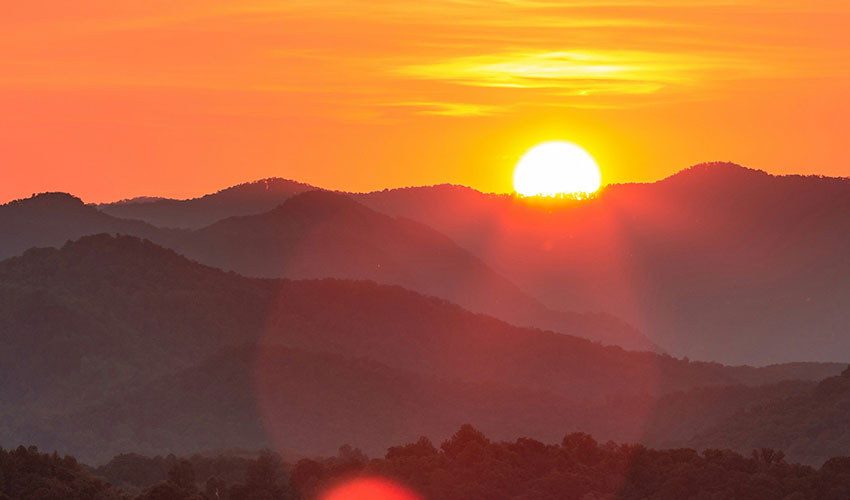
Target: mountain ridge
[[321, 234], [661, 255], [759, 254], [242, 199], [157, 325]]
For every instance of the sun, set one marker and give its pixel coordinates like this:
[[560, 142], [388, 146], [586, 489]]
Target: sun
[[556, 168]]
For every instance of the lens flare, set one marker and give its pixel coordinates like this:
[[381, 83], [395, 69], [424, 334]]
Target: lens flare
[[369, 488]]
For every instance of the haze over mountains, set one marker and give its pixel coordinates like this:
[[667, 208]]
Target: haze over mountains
[[718, 262], [244, 199], [116, 344], [321, 235], [50, 219], [188, 340]]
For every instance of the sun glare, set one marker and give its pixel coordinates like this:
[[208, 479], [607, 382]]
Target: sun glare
[[556, 168], [369, 488]]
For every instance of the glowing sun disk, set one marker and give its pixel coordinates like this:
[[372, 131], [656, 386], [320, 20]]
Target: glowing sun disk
[[554, 168]]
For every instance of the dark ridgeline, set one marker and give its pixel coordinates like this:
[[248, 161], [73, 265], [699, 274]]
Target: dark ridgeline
[[466, 466], [114, 344], [322, 235], [51, 219], [715, 262], [118, 344], [244, 199]]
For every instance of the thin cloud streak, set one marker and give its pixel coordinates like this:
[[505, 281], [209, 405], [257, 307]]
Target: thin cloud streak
[[449, 108]]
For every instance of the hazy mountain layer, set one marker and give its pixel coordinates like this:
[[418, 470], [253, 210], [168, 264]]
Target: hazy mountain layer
[[716, 262], [244, 199], [321, 235], [51, 219], [124, 345]]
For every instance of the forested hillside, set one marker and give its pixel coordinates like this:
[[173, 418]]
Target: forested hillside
[[319, 235], [113, 344], [716, 262], [811, 426]]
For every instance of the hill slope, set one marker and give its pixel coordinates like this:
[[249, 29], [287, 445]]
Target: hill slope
[[276, 397], [320, 235], [809, 427], [328, 235], [243, 199], [716, 262], [51, 219], [111, 326]]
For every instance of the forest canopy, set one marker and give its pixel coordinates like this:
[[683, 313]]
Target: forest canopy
[[466, 466]]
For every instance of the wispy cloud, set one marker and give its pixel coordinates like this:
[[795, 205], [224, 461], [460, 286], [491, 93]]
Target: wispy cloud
[[437, 57], [581, 73], [449, 108], [553, 69]]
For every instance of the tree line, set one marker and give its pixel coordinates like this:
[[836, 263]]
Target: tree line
[[467, 466]]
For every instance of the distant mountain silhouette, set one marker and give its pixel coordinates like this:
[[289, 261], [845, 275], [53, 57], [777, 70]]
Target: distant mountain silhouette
[[244, 199], [811, 427], [51, 219], [321, 234], [117, 342], [716, 262]]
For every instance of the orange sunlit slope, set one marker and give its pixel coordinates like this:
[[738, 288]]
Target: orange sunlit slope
[[116, 99]]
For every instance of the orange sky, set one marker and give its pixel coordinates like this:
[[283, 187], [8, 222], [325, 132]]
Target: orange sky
[[110, 99]]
